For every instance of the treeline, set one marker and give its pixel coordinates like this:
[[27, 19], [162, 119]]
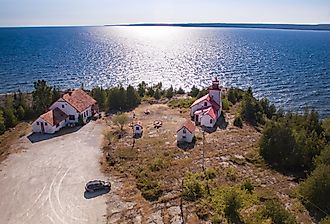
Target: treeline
[[22, 107], [292, 143], [123, 99]]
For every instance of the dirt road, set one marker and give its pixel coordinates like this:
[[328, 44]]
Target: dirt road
[[45, 183]]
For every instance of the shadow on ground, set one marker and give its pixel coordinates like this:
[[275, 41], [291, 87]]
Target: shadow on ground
[[38, 137], [90, 195], [186, 145]]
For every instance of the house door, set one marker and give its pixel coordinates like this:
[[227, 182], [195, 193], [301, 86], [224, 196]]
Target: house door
[[42, 127], [196, 118]]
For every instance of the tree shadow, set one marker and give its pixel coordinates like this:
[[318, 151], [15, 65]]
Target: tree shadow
[[38, 137], [90, 195]]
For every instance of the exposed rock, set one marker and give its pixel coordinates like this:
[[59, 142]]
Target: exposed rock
[[175, 215], [156, 218]]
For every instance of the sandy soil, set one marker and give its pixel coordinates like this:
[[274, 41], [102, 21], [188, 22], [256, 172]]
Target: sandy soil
[[45, 182]]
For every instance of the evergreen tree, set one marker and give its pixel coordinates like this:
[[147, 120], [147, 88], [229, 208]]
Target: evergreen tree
[[100, 96], [169, 92], [180, 91], [132, 97], [194, 91], [42, 96], [2, 123], [142, 89], [157, 94], [56, 94]]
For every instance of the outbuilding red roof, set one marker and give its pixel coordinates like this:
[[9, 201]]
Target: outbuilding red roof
[[79, 99], [54, 117], [189, 125]]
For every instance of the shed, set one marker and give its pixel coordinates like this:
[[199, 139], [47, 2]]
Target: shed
[[186, 132], [137, 129]]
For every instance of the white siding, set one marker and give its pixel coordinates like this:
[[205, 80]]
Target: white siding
[[66, 108], [137, 131], [216, 95], [86, 114], [180, 135], [205, 121], [49, 129], [199, 106]]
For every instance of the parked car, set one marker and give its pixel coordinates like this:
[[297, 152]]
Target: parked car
[[96, 185]]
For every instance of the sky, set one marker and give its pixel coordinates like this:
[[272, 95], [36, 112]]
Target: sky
[[100, 12]]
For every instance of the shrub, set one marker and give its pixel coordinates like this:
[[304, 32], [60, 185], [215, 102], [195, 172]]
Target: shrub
[[157, 164], [247, 185], [238, 122], [2, 123], [324, 157], [231, 173], [325, 220], [120, 120], [210, 173], [316, 189], [326, 127], [277, 213], [225, 104], [235, 95], [193, 188], [150, 188], [233, 202], [181, 103]]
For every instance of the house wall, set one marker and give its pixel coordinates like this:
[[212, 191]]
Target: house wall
[[47, 127], [180, 134], [199, 106], [68, 109], [205, 121], [86, 114]]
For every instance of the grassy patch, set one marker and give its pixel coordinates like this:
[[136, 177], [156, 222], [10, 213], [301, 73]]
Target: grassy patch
[[181, 103]]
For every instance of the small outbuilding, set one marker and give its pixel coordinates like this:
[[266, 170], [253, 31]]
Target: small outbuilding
[[137, 129], [186, 132]]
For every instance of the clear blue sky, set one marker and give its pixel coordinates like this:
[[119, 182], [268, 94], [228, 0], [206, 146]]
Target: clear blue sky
[[99, 12]]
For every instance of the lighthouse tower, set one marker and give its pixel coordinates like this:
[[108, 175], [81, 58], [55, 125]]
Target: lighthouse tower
[[215, 91]]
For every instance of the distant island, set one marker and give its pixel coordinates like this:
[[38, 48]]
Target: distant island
[[325, 27]]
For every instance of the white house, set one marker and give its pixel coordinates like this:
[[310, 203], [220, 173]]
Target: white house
[[186, 132], [206, 110], [50, 122], [71, 105], [137, 129]]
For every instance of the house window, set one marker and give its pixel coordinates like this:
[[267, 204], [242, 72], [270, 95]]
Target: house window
[[184, 136], [205, 104], [211, 121], [37, 122], [137, 128], [46, 124], [184, 131], [62, 105], [71, 117]]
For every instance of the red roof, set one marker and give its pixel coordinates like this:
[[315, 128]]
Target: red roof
[[206, 97], [189, 125], [79, 99], [54, 117], [211, 111]]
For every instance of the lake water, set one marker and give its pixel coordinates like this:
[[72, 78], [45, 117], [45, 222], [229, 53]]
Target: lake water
[[291, 68]]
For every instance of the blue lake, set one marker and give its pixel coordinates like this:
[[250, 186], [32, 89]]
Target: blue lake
[[291, 68]]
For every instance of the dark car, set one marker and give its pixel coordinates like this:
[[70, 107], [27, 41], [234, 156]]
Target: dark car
[[96, 185]]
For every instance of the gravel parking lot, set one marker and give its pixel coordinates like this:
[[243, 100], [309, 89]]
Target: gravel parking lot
[[45, 183]]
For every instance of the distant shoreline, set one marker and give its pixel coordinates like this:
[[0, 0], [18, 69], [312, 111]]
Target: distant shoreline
[[317, 27]]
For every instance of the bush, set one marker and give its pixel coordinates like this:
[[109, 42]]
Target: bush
[[181, 103], [325, 220], [247, 185], [233, 202], [150, 188], [326, 127], [2, 123], [235, 95], [193, 188], [324, 157], [210, 173], [316, 189], [158, 164], [225, 104], [277, 213], [120, 120], [238, 122]]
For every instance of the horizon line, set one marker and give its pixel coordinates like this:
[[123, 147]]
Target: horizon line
[[161, 23]]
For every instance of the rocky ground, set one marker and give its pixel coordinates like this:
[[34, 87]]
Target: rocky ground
[[230, 149]]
